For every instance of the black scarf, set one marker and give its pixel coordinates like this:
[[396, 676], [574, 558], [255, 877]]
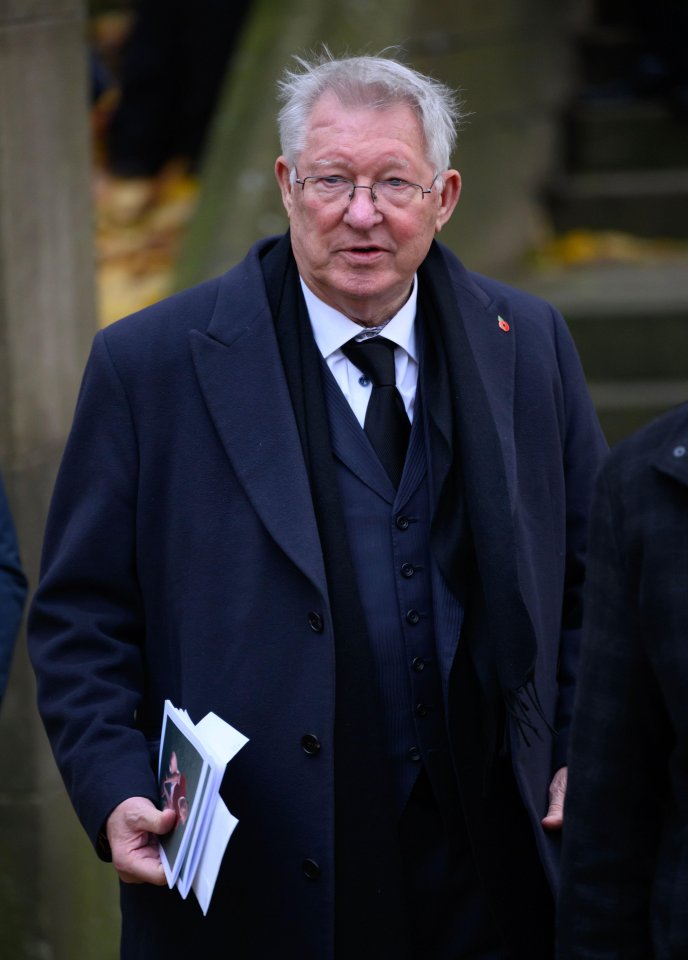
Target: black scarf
[[368, 903], [468, 469]]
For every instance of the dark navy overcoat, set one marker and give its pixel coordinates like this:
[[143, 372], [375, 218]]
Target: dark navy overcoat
[[182, 561]]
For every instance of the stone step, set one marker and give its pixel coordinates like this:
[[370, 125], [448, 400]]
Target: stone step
[[612, 134], [623, 346], [629, 320], [646, 203], [623, 408], [611, 12], [607, 56]]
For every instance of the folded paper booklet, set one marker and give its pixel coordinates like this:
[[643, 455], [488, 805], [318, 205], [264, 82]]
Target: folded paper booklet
[[191, 765]]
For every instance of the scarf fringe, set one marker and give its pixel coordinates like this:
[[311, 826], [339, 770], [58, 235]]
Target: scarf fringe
[[523, 707]]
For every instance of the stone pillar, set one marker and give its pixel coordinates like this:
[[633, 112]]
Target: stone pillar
[[52, 889]]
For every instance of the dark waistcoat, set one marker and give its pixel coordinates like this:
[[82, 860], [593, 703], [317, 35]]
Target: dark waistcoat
[[388, 535]]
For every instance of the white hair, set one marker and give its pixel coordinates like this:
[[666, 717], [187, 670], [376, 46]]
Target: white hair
[[376, 82]]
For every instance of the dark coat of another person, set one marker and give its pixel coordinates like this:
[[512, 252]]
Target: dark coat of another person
[[12, 590], [624, 889]]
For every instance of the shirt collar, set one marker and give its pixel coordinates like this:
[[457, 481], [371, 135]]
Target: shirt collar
[[332, 329]]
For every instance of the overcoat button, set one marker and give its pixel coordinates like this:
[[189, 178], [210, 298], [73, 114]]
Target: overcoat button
[[414, 754], [402, 522], [407, 569], [418, 664], [315, 622], [413, 617], [421, 709], [311, 869], [311, 745]]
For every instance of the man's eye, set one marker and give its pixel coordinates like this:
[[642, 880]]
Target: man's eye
[[396, 182], [332, 181]]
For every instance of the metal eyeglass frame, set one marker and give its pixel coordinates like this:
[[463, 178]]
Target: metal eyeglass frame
[[361, 186]]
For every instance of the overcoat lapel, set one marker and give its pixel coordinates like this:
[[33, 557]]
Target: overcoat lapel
[[242, 380], [493, 346]]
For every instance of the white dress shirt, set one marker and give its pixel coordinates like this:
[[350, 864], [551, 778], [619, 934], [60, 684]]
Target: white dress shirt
[[332, 329]]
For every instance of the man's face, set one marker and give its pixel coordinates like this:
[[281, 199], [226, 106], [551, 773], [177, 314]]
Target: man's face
[[358, 258]]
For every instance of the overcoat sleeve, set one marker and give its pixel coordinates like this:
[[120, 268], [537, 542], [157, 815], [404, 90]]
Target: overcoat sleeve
[[12, 589], [583, 450], [86, 623]]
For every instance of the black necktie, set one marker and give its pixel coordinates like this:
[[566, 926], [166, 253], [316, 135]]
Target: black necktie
[[386, 422]]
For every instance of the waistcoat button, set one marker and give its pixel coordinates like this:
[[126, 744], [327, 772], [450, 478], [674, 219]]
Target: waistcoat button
[[311, 745], [311, 869]]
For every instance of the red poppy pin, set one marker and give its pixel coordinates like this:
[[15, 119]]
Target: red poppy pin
[[503, 325]]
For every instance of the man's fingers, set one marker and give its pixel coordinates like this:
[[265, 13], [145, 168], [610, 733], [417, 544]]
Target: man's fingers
[[141, 869], [149, 820], [133, 829], [557, 796]]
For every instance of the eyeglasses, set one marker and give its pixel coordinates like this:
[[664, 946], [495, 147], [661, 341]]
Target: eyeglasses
[[383, 193]]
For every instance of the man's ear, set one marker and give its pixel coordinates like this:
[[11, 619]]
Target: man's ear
[[283, 175], [450, 197]]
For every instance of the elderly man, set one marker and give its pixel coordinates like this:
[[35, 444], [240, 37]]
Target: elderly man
[[338, 496]]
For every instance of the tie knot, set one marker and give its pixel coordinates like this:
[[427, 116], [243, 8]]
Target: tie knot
[[373, 357]]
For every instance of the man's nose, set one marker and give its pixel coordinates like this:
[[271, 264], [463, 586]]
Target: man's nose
[[361, 210]]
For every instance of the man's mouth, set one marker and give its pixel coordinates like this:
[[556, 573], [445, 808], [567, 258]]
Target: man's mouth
[[364, 250]]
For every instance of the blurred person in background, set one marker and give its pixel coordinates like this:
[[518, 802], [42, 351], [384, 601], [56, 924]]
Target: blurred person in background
[[625, 846], [169, 76]]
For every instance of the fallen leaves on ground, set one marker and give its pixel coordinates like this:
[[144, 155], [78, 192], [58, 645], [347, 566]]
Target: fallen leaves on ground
[[139, 229], [582, 247]]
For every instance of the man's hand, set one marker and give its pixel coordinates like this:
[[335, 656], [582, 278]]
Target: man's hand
[[132, 830], [557, 794]]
